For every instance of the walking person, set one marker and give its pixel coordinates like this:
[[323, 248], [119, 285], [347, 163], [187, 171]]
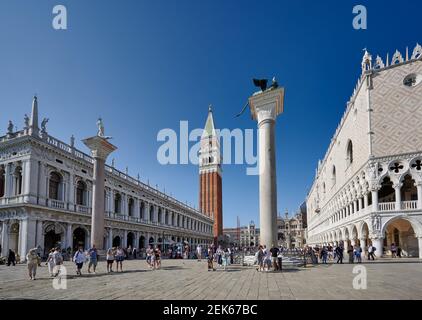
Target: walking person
[[393, 249], [157, 254], [32, 263], [339, 254], [153, 257], [280, 259], [224, 258], [210, 259], [120, 256], [371, 250], [274, 256], [11, 258], [79, 259], [324, 255], [58, 261], [260, 258], [50, 262], [134, 252], [39, 251], [148, 255], [358, 253], [111, 252], [93, 258]]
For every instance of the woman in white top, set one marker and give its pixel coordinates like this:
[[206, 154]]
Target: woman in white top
[[50, 262], [111, 252], [79, 259]]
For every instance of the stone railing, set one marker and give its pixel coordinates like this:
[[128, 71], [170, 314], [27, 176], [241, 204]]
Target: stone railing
[[56, 204], [83, 209], [409, 205], [386, 206]]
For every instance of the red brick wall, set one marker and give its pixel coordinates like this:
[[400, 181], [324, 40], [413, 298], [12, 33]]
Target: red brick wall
[[210, 199]]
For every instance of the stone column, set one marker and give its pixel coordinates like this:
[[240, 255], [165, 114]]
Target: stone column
[[124, 240], [100, 149], [8, 185], [419, 187], [23, 239], [39, 237], [397, 189], [420, 247], [69, 236], [360, 204], [265, 107], [4, 239], [365, 200], [378, 244], [374, 200], [363, 245], [110, 238]]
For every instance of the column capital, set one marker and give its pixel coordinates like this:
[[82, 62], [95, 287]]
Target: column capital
[[267, 105], [99, 146]]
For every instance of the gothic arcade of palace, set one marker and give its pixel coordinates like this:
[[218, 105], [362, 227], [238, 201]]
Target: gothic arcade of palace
[[46, 199], [368, 188]]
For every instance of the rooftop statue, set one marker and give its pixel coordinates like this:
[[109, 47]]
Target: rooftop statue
[[100, 126]]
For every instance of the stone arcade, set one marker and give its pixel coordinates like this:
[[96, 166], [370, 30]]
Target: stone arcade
[[46, 199], [368, 187]]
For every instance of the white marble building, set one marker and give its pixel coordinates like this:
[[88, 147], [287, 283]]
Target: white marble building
[[368, 187], [46, 199]]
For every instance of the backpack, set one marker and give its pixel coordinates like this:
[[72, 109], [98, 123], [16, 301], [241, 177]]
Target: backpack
[[374, 249], [58, 258]]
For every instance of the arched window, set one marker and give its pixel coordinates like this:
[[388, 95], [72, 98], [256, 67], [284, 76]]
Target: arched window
[[81, 193], [18, 180], [117, 203], [130, 207], [409, 191], [141, 210], [151, 214], [2, 181], [166, 219], [387, 192], [349, 158], [160, 215], [323, 188], [54, 186], [333, 175]]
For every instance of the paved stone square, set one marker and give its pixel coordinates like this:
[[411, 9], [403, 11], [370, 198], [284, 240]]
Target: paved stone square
[[189, 279]]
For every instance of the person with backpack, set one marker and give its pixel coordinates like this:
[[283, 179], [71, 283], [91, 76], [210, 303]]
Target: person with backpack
[[79, 259], [371, 252], [58, 261], [93, 259], [357, 251]]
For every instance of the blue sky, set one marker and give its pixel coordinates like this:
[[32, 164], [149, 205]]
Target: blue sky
[[146, 65]]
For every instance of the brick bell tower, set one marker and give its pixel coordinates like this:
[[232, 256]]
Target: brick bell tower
[[210, 182]]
